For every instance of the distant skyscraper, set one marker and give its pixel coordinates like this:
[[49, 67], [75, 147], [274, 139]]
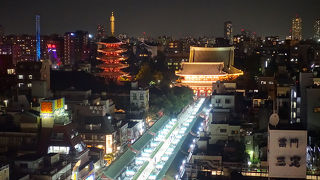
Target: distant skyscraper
[[100, 33], [296, 30], [317, 29], [228, 31]]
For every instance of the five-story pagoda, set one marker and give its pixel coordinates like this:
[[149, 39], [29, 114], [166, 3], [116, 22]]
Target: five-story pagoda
[[110, 52]]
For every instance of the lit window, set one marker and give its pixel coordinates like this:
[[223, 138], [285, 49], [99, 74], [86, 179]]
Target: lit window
[[263, 82], [294, 104], [20, 76], [30, 76], [29, 85], [294, 114], [317, 109], [20, 84], [270, 82], [294, 94], [10, 71]]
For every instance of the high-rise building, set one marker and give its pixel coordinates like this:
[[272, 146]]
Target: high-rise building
[[228, 31], [317, 29], [23, 47], [76, 47], [100, 32], [296, 29]]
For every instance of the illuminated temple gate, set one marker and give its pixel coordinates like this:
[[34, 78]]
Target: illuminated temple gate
[[206, 66]]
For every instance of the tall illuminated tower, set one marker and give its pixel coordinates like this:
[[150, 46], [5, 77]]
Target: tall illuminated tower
[[112, 24], [228, 31], [38, 38], [296, 30], [317, 29]]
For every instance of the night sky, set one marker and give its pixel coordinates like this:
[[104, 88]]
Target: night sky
[[157, 17]]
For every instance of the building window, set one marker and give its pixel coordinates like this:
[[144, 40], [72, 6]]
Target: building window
[[217, 101], [30, 76], [223, 130], [263, 82], [141, 96], [20, 76], [10, 71], [20, 84], [29, 85], [270, 82], [134, 96], [227, 101], [294, 104]]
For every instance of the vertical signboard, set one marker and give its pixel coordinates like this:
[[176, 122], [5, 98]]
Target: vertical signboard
[[287, 153]]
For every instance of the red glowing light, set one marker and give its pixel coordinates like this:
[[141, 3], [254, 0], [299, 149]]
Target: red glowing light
[[242, 29], [53, 46], [49, 45]]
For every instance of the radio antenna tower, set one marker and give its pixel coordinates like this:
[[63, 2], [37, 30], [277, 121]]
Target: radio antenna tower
[[38, 37]]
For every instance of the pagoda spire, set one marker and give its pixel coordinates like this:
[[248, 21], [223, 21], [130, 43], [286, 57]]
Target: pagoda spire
[[112, 24]]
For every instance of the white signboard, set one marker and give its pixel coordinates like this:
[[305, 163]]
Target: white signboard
[[287, 153]]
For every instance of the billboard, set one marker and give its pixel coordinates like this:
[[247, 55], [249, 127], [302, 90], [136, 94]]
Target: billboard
[[51, 105], [46, 107], [287, 153]]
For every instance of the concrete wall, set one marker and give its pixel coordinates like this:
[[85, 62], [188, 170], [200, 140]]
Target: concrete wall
[[219, 101]]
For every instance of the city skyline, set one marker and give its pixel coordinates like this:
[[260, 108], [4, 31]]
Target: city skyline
[[178, 18]]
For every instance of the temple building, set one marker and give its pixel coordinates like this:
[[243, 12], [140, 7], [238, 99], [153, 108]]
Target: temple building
[[110, 52], [206, 66]]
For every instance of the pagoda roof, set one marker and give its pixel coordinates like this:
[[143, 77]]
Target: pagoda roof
[[119, 65], [111, 39], [113, 74], [202, 69], [106, 58]]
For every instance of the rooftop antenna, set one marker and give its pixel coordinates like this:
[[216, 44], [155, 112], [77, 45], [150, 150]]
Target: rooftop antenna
[[38, 37]]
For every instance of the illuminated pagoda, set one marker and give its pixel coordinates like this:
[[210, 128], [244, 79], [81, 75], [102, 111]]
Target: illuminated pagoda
[[110, 52], [206, 66]]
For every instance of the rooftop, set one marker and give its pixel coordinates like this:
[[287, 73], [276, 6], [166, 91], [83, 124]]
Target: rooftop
[[111, 39], [202, 69], [29, 157]]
